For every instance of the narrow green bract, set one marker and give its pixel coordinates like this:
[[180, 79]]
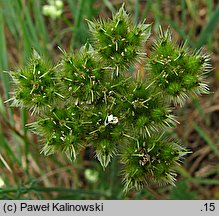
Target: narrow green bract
[[89, 99]]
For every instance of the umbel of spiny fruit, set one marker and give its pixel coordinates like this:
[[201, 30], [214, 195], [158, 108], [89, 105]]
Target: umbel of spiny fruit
[[90, 99]]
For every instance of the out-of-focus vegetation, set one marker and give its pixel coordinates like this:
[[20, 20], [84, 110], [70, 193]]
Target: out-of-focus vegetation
[[25, 173]]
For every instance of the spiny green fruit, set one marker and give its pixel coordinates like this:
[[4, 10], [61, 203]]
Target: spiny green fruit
[[61, 129], [178, 71], [35, 85], [89, 99], [145, 109], [119, 41], [107, 128], [149, 160], [106, 138], [126, 107], [80, 76]]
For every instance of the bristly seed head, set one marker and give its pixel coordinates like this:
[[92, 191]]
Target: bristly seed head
[[179, 72], [89, 99], [119, 41]]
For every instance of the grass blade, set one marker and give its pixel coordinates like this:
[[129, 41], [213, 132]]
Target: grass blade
[[206, 138], [208, 29], [3, 58], [136, 14], [147, 8], [178, 30], [109, 5], [204, 181]]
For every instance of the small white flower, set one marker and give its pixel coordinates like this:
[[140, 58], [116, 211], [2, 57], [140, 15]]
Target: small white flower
[[53, 9], [46, 10], [112, 119], [59, 4]]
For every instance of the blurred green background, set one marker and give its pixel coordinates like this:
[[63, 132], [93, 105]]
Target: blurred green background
[[26, 174]]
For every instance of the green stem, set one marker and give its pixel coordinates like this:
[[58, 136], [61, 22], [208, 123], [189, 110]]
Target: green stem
[[24, 190]]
